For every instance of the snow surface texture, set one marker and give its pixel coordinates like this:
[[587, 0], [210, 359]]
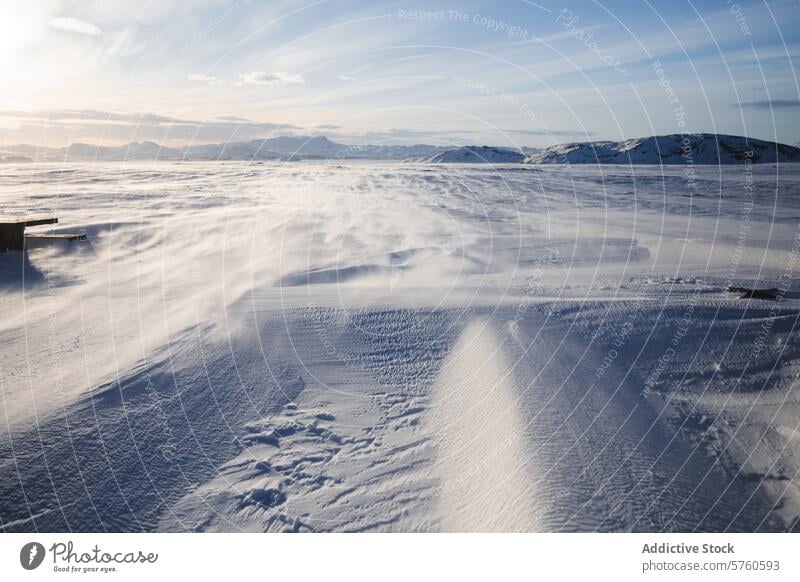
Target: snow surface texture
[[401, 347], [701, 148]]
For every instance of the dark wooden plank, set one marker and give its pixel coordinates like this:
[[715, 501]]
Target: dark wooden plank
[[57, 236], [12, 230], [27, 220], [38, 221]]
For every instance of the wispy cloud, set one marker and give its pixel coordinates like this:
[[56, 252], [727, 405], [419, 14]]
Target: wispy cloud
[[204, 79], [772, 104], [556, 132], [277, 78], [361, 66], [72, 24], [67, 125]]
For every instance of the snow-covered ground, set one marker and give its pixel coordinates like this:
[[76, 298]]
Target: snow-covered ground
[[370, 346]]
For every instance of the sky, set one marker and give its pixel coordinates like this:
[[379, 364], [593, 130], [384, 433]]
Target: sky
[[511, 73]]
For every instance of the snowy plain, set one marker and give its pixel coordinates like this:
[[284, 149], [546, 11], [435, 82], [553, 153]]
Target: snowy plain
[[375, 346]]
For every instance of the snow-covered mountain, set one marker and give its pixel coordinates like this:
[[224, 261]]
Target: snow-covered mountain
[[283, 147], [478, 155], [145, 150], [230, 151], [700, 148], [391, 152]]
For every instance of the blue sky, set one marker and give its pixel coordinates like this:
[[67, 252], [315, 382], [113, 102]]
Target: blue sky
[[511, 73]]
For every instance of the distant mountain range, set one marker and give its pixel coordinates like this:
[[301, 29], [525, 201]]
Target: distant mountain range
[[701, 148], [698, 148], [276, 148], [478, 155]]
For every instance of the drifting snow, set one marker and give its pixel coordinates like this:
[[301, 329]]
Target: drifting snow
[[395, 347]]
